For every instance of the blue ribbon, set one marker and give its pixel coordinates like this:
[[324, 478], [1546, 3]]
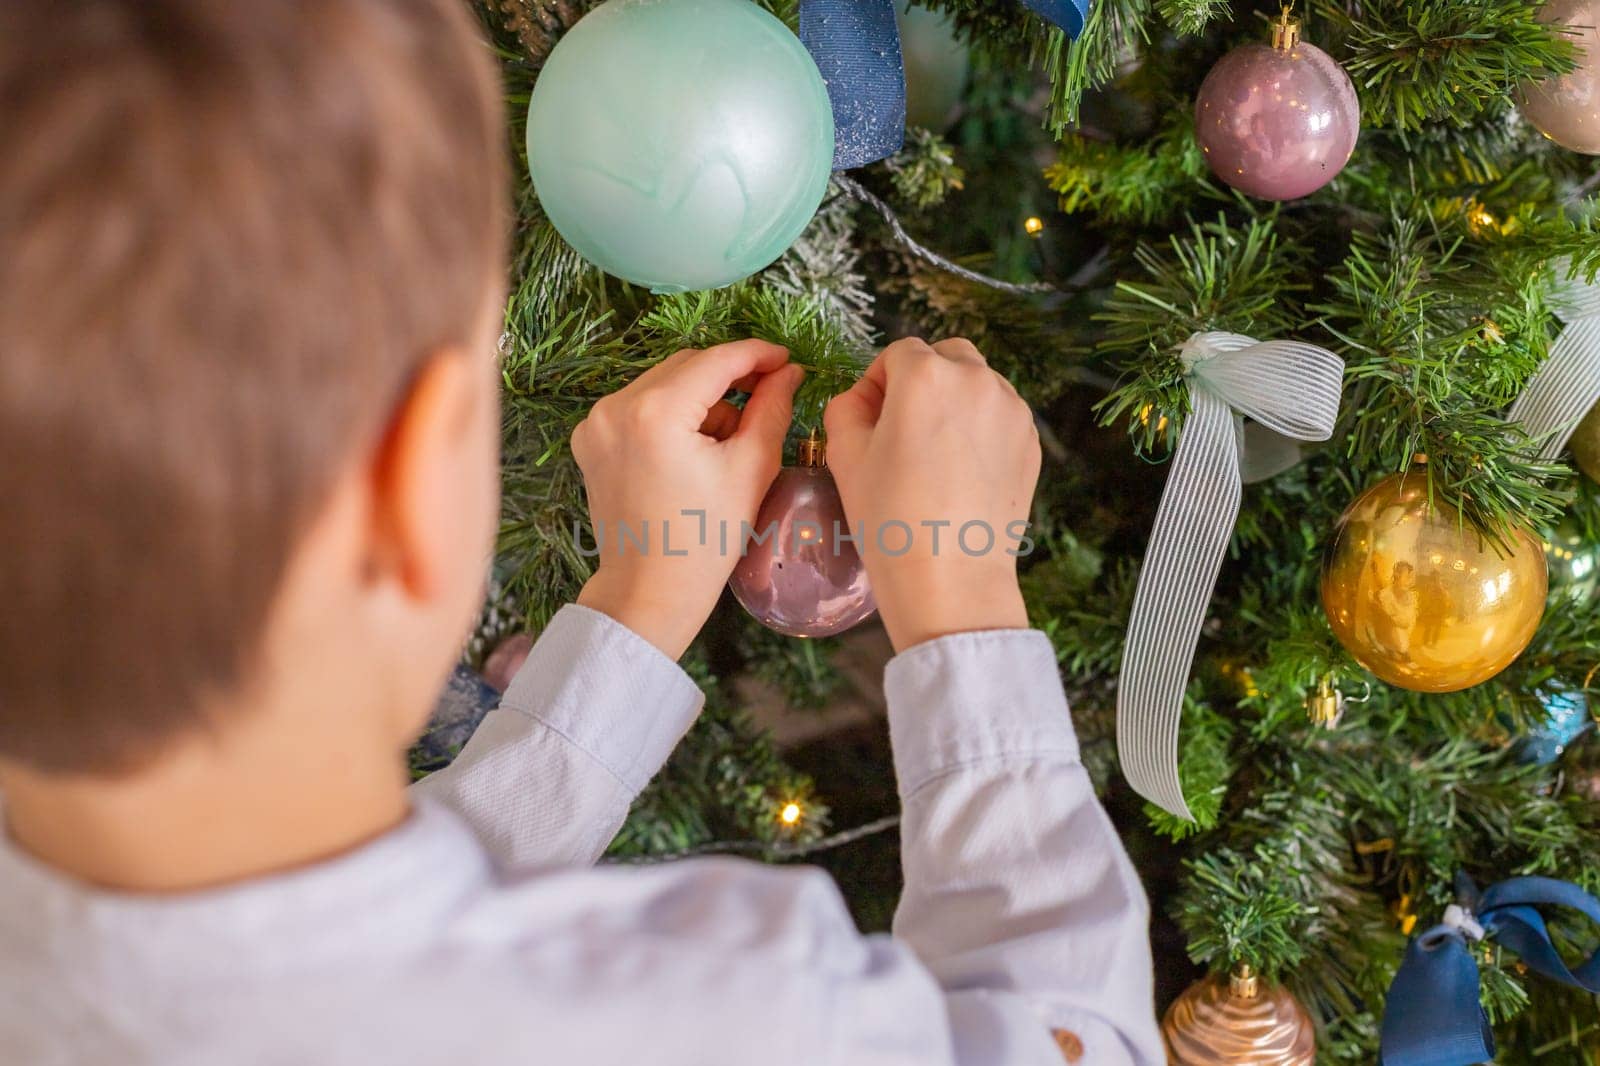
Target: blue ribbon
[[856, 45], [1433, 1016]]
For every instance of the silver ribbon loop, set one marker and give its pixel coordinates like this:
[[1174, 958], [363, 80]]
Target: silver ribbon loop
[[1287, 387], [1567, 385]]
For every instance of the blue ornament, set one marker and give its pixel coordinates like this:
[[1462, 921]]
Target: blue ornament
[[1568, 719], [1432, 1015], [858, 48], [680, 144]]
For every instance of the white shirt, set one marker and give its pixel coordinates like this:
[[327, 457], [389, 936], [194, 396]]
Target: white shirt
[[479, 932]]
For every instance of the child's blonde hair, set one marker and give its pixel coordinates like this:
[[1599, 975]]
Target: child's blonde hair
[[228, 234]]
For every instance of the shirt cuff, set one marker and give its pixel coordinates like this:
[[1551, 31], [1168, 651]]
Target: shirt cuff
[[988, 696], [608, 691]]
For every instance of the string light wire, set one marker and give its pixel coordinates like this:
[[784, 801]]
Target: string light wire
[[856, 191]]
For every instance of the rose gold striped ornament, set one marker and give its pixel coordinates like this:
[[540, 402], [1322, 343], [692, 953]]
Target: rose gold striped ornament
[[1238, 1021]]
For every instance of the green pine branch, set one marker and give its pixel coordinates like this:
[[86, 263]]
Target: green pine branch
[[1420, 61], [1218, 276]]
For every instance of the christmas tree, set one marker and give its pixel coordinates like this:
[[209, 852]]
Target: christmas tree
[[1353, 736]]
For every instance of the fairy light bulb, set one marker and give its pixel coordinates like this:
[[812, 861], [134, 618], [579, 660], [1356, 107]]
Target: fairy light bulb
[[790, 814], [1146, 412], [1034, 225]]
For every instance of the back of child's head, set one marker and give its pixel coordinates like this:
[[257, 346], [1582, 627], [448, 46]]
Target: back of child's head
[[229, 234]]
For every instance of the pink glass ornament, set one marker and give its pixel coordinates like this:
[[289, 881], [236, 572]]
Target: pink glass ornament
[[1277, 121], [801, 579], [1567, 109]]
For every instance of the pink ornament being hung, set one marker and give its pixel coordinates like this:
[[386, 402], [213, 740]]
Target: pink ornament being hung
[[1277, 121], [798, 575]]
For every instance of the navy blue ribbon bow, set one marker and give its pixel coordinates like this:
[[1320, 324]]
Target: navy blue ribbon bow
[[857, 47], [1433, 1016]]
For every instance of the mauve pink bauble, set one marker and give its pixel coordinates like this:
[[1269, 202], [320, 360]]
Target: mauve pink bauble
[[1277, 123], [1567, 109], [800, 580]]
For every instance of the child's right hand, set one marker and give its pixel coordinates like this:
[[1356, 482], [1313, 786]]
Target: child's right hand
[[932, 438], [668, 455]]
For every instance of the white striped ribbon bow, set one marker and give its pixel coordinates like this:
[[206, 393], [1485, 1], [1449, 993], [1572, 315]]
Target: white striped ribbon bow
[[1567, 385], [1289, 388]]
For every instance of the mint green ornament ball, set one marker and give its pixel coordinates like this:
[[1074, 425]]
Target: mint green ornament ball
[[680, 144]]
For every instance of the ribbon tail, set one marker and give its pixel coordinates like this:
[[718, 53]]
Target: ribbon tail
[[1266, 453], [856, 46], [1509, 910], [1432, 1016], [1563, 389], [1190, 538]]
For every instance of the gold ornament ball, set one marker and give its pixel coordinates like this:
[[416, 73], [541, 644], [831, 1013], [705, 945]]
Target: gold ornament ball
[[1585, 444], [1567, 109], [1423, 600], [1238, 1021]]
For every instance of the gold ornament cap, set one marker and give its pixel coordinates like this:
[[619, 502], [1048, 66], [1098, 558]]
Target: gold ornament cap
[[813, 452], [1243, 982], [1285, 32], [1325, 706], [1211, 1024]]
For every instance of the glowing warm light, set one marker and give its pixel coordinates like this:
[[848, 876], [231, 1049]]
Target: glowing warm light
[[1479, 218], [790, 813], [1144, 418], [1034, 225]]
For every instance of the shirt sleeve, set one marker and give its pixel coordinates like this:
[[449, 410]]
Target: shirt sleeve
[[1018, 897], [548, 776]]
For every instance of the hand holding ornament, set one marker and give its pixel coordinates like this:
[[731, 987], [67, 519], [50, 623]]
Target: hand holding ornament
[[936, 454], [668, 466]]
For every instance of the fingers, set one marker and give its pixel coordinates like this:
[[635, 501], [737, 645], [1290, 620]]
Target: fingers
[[704, 376], [851, 414], [765, 419], [721, 420], [961, 350]]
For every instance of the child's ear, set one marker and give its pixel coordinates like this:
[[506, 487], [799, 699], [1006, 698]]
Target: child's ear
[[425, 488]]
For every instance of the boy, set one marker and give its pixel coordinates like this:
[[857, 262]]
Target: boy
[[248, 417]]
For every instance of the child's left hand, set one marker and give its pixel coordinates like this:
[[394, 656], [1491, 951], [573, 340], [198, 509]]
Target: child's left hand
[[668, 464]]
